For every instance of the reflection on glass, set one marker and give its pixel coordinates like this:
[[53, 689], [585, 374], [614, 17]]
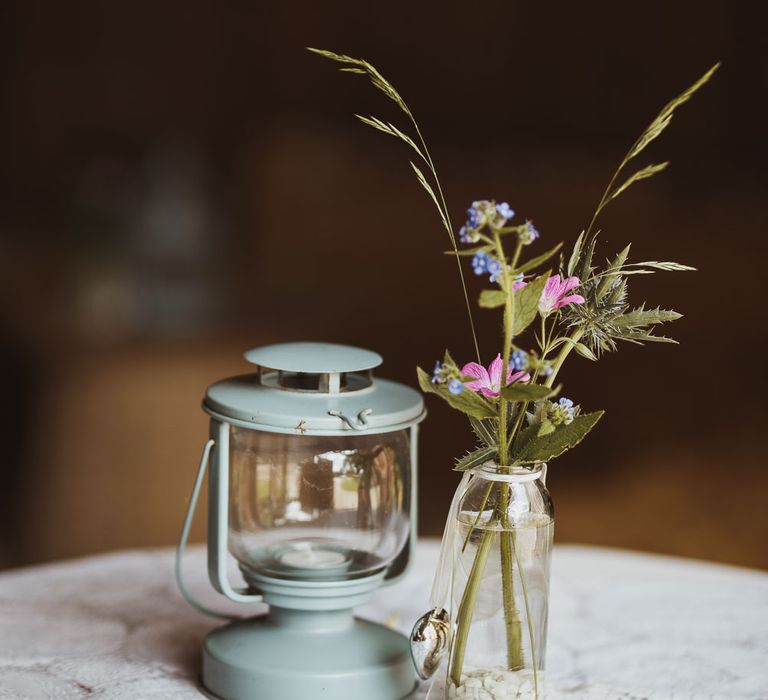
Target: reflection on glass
[[310, 507]]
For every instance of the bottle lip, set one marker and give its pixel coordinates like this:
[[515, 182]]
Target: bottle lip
[[517, 473]]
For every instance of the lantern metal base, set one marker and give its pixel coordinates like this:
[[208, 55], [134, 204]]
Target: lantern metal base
[[255, 660], [308, 647]]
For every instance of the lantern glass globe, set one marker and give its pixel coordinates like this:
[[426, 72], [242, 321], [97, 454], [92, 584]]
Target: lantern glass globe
[[318, 507]]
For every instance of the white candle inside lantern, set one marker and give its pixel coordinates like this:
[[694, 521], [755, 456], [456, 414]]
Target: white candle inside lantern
[[310, 558]]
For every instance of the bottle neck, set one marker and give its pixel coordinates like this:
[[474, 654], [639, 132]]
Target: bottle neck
[[517, 474]]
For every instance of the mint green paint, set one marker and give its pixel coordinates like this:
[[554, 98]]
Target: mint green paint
[[309, 645], [377, 406], [314, 357], [330, 656]]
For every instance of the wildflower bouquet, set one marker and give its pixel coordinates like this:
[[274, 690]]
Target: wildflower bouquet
[[562, 305]]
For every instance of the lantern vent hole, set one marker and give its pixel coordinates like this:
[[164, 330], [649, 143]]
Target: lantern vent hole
[[316, 382]]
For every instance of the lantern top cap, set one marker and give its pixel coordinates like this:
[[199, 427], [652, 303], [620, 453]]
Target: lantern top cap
[[314, 358], [314, 389]]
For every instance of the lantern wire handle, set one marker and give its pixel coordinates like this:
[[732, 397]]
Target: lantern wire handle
[[185, 536], [362, 418]]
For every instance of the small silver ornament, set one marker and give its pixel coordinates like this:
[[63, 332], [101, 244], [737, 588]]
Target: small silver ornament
[[429, 641]]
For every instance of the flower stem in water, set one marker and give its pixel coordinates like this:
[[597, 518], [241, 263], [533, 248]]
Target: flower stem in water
[[467, 605], [531, 635], [512, 622]]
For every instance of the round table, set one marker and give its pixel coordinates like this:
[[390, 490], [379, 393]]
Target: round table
[[622, 625]]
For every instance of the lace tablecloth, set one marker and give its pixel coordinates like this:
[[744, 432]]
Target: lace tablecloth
[[623, 625]]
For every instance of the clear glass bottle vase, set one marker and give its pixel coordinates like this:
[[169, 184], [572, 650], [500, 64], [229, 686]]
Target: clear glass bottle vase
[[498, 544]]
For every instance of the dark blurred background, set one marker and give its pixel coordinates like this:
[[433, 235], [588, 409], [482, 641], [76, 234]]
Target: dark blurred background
[[182, 181]]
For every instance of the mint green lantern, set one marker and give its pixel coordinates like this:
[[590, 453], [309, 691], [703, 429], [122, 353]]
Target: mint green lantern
[[312, 489]]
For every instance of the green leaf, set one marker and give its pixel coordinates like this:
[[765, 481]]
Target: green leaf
[[545, 428], [582, 266], [618, 295], [527, 303], [535, 262], [492, 298], [476, 458], [448, 359], [640, 337], [425, 381], [641, 317], [580, 348], [519, 391], [575, 255], [584, 351], [531, 447], [485, 431], [612, 271], [467, 401], [644, 174]]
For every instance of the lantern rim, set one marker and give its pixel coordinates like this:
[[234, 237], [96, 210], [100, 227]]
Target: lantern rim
[[313, 357]]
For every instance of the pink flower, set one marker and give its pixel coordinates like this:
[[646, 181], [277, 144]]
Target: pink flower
[[488, 381], [554, 294]]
